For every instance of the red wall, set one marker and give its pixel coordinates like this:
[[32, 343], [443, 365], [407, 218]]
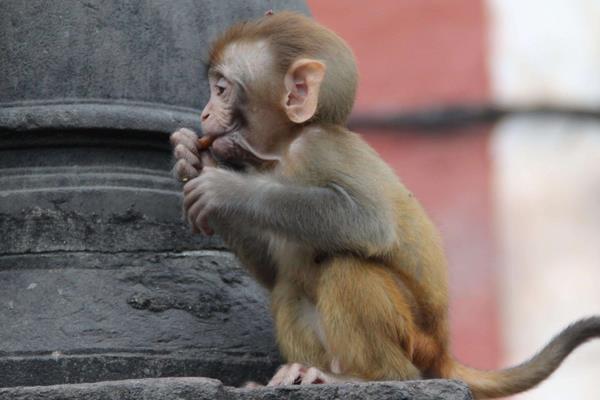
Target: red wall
[[417, 54], [412, 52]]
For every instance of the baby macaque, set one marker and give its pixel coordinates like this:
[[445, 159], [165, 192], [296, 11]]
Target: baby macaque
[[354, 265]]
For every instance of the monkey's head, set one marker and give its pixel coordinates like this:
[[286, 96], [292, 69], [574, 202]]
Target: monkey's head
[[270, 77]]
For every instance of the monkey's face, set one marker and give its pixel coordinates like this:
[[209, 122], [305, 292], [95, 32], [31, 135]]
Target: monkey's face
[[240, 123], [254, 107], [218, 114], [244, 113], [222, 120]]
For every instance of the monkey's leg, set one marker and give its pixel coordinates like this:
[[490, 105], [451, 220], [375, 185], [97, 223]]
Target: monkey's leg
[[367, 321], [297, 327]]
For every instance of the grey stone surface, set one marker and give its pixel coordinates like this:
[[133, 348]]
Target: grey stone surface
[[92, 208], [91, 317], [200, 389], [100, 279], [135, 64]]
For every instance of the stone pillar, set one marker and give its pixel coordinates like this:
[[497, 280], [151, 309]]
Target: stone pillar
[[99, 277]]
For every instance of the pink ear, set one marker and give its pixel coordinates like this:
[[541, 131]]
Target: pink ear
[[302, 83]]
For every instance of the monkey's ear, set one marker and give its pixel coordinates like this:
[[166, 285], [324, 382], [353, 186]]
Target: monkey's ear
[[302, 84]]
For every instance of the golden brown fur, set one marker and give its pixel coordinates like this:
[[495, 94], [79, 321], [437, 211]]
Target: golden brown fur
[[399, 287]]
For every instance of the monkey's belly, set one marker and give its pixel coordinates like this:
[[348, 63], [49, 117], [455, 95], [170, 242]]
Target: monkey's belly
[[311, 317], [295, 263]]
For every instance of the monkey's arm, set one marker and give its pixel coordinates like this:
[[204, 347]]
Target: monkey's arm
[[250, 247], [245, 241], [327, 218]]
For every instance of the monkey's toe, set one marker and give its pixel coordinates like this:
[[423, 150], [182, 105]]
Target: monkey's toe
[[251, 385], [288, 374], [315, 376]]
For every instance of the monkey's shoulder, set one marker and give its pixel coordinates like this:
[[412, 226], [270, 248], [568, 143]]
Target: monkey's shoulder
[[326, 153]]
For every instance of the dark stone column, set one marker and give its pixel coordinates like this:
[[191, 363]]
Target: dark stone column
[[99, 277]]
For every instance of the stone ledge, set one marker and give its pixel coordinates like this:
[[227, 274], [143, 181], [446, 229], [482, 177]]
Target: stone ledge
[[203, 388]]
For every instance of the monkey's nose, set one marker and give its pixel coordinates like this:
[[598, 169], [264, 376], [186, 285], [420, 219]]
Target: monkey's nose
[[205, 116]]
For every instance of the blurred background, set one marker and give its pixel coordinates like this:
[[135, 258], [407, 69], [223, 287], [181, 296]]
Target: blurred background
[[486, 111]]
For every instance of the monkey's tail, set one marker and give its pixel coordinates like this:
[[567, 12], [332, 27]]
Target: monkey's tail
[[509, 381]]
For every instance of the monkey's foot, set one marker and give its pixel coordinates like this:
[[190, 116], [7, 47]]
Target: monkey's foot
[[298, 374], [251, 385]]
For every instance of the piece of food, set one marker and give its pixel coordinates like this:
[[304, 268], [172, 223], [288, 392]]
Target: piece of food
[[204, 142]]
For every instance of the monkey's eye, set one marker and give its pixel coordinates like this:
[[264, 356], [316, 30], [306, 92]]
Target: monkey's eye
[[220, 86]]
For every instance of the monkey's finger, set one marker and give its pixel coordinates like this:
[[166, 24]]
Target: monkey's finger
[[203, 223], [190, 218], [192, 185], [183, 153], [184, 132], [185, 137], [188, 133], [190, 140], [184, 171], [192, 197], [194, 210], [190, 222], [193, 226]]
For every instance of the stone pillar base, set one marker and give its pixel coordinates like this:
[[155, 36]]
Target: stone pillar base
[[203, 388]]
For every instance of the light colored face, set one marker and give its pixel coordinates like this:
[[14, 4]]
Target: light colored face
[[242, 72], [261, 105], [218, 114], [243, 109]]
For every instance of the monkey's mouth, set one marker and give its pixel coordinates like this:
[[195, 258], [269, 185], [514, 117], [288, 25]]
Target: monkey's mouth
[[232, 148], [214, 136], [208, 139]]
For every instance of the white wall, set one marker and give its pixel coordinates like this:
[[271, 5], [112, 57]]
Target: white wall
[[547, 181]]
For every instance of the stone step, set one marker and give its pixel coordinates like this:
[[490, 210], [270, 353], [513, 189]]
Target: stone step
[[204, 388]]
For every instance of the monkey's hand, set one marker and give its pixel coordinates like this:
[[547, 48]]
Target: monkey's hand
[[189, 159], [298, 374], [209, 196]]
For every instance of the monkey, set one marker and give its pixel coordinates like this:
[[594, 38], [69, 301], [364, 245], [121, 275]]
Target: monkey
[[355, 268]]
